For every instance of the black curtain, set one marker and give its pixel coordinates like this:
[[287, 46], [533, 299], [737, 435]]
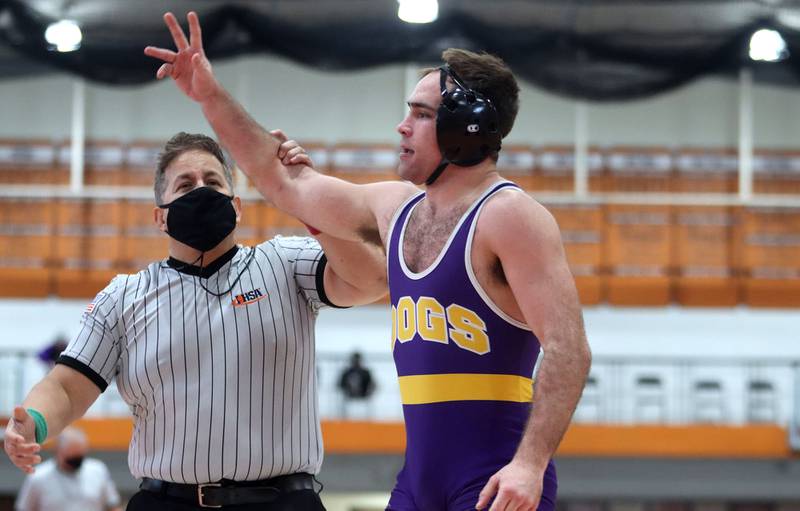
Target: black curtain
[[604, 51]]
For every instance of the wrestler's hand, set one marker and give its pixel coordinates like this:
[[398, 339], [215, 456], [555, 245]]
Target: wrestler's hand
[[290, 152], [188, 66], [19, 441], [518, 487]]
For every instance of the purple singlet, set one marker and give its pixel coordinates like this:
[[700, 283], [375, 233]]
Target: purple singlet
[[465, 370]]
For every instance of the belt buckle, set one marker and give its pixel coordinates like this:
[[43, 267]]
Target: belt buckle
[[201, 496]]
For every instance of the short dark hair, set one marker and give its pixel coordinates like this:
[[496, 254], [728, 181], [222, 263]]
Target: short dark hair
[[490, 76], [181, 143]]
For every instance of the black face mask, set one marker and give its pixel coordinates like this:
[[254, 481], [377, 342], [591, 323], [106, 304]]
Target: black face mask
[[74, 463], [201, 219]]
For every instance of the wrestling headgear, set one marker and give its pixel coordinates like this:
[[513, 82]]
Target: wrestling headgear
[[467, 128]]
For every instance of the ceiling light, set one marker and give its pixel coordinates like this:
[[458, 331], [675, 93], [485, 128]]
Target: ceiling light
[[64, 35], [768, 45], [418, 11]]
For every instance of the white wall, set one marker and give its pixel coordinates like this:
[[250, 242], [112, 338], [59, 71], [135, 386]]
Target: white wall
[[308, 104], [316, 105], [703, 113]]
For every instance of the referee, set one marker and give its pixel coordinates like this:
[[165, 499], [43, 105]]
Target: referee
[[212, 349]]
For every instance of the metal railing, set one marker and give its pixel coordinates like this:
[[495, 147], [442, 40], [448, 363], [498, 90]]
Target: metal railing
[[620, 390]]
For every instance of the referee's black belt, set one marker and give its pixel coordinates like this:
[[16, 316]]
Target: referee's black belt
[[231, 493]]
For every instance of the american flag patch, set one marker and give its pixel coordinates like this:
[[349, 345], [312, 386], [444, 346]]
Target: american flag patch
[[90, 307]]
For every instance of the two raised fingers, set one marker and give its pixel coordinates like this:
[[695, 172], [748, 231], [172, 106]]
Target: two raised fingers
[[176, 31], [195, 33], [195, 41]]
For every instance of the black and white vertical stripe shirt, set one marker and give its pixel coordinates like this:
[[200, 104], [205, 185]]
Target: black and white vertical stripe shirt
[[221, 387]]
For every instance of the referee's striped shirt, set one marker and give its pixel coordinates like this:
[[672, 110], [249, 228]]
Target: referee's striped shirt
[[219, 387]]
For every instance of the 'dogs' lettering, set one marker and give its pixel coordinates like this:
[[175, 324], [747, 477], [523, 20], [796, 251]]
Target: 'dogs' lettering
[[428, 318]]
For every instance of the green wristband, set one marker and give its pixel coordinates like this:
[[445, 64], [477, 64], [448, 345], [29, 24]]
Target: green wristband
[[41, 425]]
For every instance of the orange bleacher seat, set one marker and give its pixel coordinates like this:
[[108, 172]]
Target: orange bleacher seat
[[364, 163], [88, 245], [320, 156], [104, 162], [776, 171], [582, 232], [26, 247], [555, 169], [706, 170], [638, 169], [143, 242], [62, 171], [704, 243], [140, 160], [250, 231], [277, 222], [516, 163], [770, 245], [27, 161], [638, 245]]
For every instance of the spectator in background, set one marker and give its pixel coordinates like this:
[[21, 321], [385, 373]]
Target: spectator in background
[[50, 353], [70, 481], [355, 382]]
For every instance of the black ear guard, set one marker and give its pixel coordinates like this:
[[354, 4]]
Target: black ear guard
[[466, 125]]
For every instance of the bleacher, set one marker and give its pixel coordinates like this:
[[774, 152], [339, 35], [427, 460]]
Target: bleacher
[[643, 236]]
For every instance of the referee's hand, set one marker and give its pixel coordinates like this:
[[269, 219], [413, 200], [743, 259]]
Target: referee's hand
[[20, 441]]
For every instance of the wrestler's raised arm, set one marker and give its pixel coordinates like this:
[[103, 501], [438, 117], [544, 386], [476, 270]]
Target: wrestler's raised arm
[[334, 206]]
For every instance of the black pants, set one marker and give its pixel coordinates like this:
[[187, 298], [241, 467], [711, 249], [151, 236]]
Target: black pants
[[302, 500]]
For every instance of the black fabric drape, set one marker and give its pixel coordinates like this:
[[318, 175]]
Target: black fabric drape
[[604, 50]]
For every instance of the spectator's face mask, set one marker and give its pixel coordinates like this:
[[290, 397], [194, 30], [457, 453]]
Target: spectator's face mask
[[74, 463], [201, 218]]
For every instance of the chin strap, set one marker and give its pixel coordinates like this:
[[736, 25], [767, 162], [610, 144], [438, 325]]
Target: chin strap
[[438, 172]]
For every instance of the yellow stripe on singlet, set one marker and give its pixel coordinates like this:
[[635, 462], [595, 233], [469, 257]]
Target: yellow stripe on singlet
[[437, 388]]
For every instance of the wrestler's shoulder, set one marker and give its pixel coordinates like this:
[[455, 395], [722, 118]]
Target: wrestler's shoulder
[[391, 193], [514, 212]]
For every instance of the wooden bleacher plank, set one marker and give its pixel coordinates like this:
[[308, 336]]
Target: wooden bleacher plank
[[704, 243], [555, 169], [279, 223], [694, 441], [582, 229], [770, 244], [104, 161], [638, 246], [638, 169], [27, 161], [364, 163], [517, 163], [142, 243], [140, 159], [706, 170], [88, 244], [776, 171], [26, 247], [320, 156], [250, 231]]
